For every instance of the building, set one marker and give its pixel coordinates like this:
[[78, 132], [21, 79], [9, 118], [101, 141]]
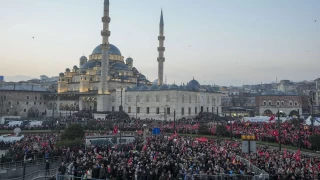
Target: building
[[105, 82], [286, 86], [287, 104], [23, 100]]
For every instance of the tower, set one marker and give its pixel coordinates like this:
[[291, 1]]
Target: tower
[[161, 50], [103, 91]]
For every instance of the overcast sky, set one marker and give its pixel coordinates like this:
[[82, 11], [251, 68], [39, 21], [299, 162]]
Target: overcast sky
[[215, 41]]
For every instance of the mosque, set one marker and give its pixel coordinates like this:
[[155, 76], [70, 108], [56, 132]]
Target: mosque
[[106, 82]]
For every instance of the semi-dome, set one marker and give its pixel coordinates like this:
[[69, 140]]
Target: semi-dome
[[120, 66], [163, 87], [61, 74], [67, 70], [142, 77], [90, 64], [174, 87], [154, 87], [144, 88], [112, 50], [75, 67]]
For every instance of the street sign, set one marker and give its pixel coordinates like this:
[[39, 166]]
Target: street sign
[[156, 131], [248, 137], [245, 146]]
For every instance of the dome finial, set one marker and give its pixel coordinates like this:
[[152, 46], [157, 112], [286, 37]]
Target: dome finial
[[161, 18]]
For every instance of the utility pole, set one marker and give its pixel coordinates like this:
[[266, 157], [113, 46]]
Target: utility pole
[[279, 130]]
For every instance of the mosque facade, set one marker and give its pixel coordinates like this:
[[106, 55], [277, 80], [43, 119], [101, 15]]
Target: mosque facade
[[107, 82]]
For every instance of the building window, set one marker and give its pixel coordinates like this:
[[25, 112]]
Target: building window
[[264, 103], [18, 103], [290, 103], [40, 98], [207, 109], [34, 103], [7, 110], [44, 103], [282, 103], [9, 103], [129, 99], [24, 110], [112, 108], [27, 103], [4, 97], [212, 109], [147, 98], [182, 111], [158, 110], [182, 98], [270, 103], [113, 99], [40, 103], [213, 101], [148, 110], [168, 98], [278, 103], [189, 110], [196, 99], [296, 103], [27, 97], [168, 110], [129, 109], [138, 98], [190, 99], [208, 99], [35, 97], [157, 98], [195, 110], [138, 109]]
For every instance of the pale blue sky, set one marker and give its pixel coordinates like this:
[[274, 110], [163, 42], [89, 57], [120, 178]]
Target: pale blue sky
[[232, 41]]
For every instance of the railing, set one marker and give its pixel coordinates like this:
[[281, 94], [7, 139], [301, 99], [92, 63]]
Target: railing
[[221, 177], [42, 174], [20, 164], [66, 177], [257, 171]]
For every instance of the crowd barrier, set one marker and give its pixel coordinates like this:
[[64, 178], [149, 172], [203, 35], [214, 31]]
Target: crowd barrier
[[257, 171], [222, 177], [32, 162], [40, 174], [71, 177]]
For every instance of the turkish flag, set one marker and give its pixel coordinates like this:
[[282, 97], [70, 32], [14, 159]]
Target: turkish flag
[[115, 130], [272, 117]]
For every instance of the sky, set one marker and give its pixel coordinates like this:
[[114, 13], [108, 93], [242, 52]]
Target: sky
[[223, 42]]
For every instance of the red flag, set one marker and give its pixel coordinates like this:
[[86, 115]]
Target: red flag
[[272, 117], [144, 148], [297, 155], [115, 129]]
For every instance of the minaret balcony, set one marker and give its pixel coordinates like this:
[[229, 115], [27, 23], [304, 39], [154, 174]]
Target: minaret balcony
[[106, 19], [161, 59], [105, 33], [161, 48], [161, 38]]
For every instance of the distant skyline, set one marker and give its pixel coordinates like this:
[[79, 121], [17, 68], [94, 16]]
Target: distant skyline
[[222, 42]]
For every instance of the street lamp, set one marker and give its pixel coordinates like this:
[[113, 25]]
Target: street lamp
[[137, 106]]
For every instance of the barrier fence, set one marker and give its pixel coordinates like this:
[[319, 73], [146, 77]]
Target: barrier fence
[[41, 174], [32, 162], [257, 171], [222, 177]]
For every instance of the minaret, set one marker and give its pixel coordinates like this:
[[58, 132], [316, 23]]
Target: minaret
[[161, 50], [105, 33]]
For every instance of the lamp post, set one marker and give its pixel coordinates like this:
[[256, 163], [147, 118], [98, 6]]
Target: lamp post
[[299, 130], [279, 130], [137, 107], [53, 107], [174, 120]]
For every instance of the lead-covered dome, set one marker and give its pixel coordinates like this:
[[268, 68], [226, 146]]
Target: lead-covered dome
[[120, 66], [112, 50]]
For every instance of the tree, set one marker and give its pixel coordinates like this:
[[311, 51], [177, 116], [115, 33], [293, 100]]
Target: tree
[[73, 132], [203, 129], [315, 141], [221, 130]]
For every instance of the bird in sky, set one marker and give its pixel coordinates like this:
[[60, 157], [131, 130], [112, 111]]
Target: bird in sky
[[315, 20], [32, 37]]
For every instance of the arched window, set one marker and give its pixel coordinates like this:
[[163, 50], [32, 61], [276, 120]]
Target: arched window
[[282, 103], [264, 103], [278, 103], [290, 103], [296, 103], [196, 98], [190, 99], [138, 98], [270, 103]]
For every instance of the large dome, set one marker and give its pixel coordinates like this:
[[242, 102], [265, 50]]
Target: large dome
[[112, 50]]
